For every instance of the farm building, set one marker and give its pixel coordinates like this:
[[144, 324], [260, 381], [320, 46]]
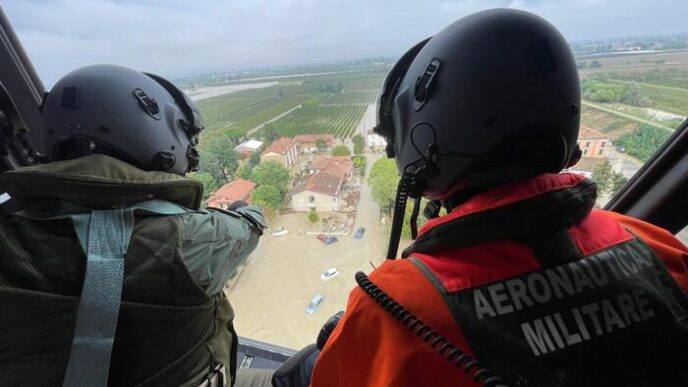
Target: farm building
[[283, 151], [231, 192], [592, 142], [319, 192], [307, 143], [247, 148], [375, 141], [334, 165]]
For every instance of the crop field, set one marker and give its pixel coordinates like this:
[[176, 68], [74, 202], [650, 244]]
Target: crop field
[[673, 100], [327, 103], [316, 119], [347, 98]]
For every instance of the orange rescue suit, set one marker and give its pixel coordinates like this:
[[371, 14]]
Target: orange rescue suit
[[371, 348]]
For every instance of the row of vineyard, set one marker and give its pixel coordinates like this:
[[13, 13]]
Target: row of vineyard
[[359, 98], [245, 113], [340, 121]]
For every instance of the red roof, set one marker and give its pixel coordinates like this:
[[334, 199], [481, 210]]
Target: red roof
[[336, 165], [323, 183], [238, 189], [590, 133], [280, 146], [312, 138]]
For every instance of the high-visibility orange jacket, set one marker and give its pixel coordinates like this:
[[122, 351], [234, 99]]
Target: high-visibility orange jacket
[[519, 275]]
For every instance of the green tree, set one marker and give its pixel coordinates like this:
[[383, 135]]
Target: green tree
[[341, 150], [632, 95], [359, 144], [313, 217], [271, 173], [209, 183], [244, 171], [269, 133], [383, 180], [255, 158], [360, 164], [267, 196], [597, 90], [595, 64], [218, 158], [320, 144], [643, 141], [602, 175], [617, 182]]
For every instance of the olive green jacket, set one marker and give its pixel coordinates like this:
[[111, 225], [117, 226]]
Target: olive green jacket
[[213, 244], [215, 241]]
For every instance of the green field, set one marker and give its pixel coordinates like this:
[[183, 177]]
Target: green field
[[668, 99], [332, 103], [315, 119], [350, 98]]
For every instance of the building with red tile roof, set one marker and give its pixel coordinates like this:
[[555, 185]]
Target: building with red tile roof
[[319, 191], [283, 151], [335, 165], [592, 142], [307, 143], [235, 190]]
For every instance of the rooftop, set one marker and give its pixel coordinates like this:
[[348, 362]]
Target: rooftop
[[320, 182], [311, 138], [235, 190], [335, 165], [280, 146], [250, 144], [590, 133]]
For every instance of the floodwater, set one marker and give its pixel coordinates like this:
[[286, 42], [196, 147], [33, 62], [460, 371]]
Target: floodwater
[[283, 274], [214, 91]]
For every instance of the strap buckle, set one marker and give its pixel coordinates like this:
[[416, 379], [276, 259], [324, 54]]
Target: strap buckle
[[216, 378]]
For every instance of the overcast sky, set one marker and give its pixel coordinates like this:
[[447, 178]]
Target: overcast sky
[[178, 37]]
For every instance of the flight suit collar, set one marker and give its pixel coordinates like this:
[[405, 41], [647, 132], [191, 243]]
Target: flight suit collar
[[532, 207]]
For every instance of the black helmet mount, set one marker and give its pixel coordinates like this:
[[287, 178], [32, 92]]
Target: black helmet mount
[[140, 118], [494, 97]]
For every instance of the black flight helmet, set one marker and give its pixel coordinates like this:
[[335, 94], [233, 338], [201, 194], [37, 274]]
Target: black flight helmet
[[491, 98], [139, 118]]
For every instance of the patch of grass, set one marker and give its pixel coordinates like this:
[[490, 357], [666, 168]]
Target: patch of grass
[[643, 141]]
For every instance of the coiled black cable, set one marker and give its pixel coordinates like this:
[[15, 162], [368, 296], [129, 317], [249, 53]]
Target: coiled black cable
[[451, 352]]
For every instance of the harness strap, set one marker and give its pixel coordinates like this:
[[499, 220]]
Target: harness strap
[[109, 233], [104, 236]]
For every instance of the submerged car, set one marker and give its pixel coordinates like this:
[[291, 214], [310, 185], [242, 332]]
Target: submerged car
[[329, 273], [279, 231], [359, 233], [330, 240], [314, 304]]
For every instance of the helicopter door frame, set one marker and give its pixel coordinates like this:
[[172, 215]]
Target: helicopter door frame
[[22, 92]]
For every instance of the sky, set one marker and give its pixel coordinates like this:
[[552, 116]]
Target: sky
[[184, 37]]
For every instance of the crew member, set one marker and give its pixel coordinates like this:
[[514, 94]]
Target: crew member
[[522, 282], [110, 274]]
